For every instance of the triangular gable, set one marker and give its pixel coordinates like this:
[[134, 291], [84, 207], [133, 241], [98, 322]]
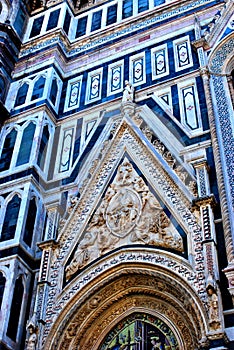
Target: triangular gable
[[128, 139], [128, 214]]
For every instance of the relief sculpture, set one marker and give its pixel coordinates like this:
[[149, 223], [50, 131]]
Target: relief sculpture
[[128, 214]]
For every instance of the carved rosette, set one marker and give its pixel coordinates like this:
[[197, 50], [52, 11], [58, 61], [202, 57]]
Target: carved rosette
[[128, 214]]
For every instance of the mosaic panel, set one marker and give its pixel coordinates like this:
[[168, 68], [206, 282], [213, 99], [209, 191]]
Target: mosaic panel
[[159, 62], [73, 93], [115, 77], [94, 83], [182, 53], [137, 69], [189, 106], [66, 150]]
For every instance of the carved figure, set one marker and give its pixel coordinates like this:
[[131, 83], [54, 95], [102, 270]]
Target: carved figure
[[148, 133], [32, 339], [82, 255], [159, 146], [169, 159], [213, 305], [129, 213], [128, 93]]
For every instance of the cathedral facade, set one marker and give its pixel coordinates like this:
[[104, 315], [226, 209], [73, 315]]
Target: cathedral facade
[[116, 175]]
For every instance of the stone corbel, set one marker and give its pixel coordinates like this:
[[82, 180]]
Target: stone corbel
[[128, 108], [200, 43]]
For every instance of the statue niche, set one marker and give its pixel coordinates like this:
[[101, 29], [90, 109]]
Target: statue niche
[[128, 214]]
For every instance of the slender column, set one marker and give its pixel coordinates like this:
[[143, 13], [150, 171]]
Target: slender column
[[221, 184]]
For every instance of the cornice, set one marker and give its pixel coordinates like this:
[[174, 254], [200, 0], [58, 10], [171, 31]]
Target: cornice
[[124, 28]]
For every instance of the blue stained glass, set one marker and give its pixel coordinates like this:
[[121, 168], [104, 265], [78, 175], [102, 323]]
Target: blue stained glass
[[158, 2], [81, 26], [11, 218], [111, 15], [127, 8], [36, 28], [96, 20], [53, 19], [13, 322], [143, 5], [30, 222], [26, 145], [7, 150], [38, 89], [54, 91], [21, 95], [67, 22]]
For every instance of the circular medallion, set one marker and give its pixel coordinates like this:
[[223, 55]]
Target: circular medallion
[[123, 212]]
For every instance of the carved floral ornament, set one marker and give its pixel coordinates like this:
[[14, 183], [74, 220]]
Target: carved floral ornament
[[128, 214]]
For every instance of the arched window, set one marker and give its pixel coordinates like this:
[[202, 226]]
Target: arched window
[[53, 91], [26, 144], [21, 95], [2, 87], [38, 89], [11, 218], [15, 309], [43, 147], [2, 287], [7, 151], [30, 222]]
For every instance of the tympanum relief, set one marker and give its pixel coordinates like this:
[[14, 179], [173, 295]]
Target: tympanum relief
[[128, 214]]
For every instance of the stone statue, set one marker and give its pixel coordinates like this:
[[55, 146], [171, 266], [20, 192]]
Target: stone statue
[[31, 341], [213, 306], [128, 93]]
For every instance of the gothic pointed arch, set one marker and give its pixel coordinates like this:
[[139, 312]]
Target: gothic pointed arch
[[131, 227], [154, 293]]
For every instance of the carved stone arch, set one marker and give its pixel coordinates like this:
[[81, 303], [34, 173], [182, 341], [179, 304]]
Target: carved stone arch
[[127, 289], [64, 298]]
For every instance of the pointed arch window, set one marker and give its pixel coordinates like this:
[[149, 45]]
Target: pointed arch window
[[2, 287], [15, 309], [38, 89], [43, 147], [7, 151], [21, 95], [54, 91], [30, 222], [26, 144], [11, 218]]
